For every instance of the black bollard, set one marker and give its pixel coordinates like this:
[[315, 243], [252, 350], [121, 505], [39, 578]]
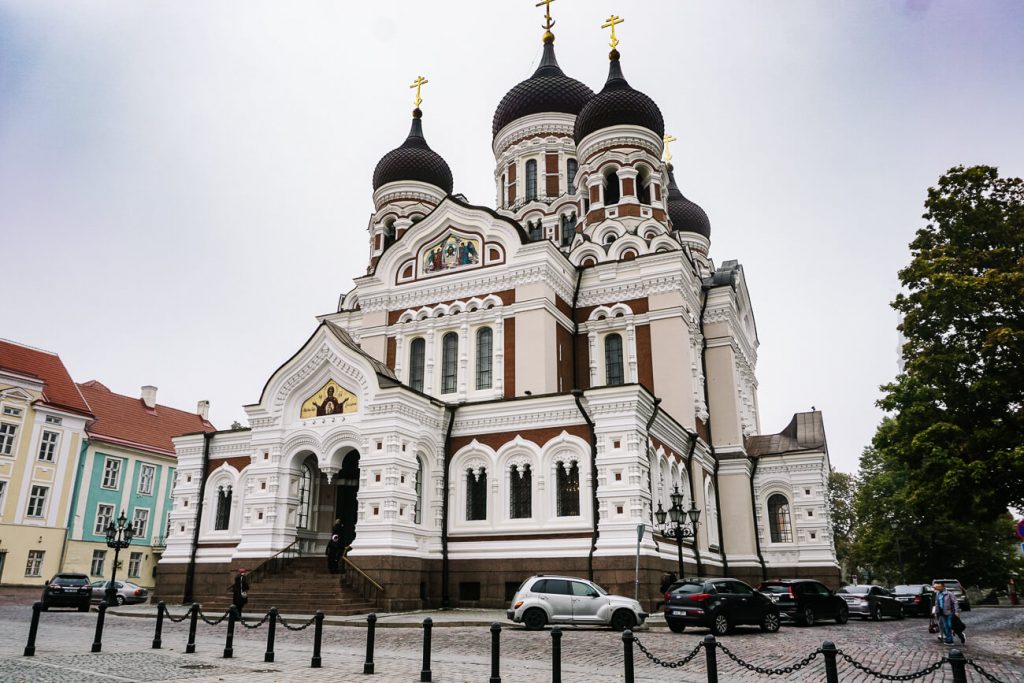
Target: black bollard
[[318, 635], [495, 652], [428, 624], [159, 625], [709, 649], [269, 656], [190, 646], [30, 648], [371, 627], [958, 663], [556, 654], [828, 648], [229, 641], [97, 643], [627, 655]]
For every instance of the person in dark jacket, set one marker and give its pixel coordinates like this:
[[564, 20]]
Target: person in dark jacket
[[667, 579], [240, 590], [334, 552]]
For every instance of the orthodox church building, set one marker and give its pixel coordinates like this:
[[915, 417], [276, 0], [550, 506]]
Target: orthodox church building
[[517, 390]]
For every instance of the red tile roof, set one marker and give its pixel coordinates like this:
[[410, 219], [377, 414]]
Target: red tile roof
[[127, 421], [59, 389]]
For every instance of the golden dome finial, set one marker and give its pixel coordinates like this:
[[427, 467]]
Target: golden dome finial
[[548, 21], [419, 83], [668, 140], [612, 21]]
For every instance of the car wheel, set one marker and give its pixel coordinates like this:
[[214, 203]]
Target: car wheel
[[770, 622], [899, 612], [534, 619], [676, 627], [844, 615], [623, 619], [874, 613], [119, 600], [720, 624], [807, 617]]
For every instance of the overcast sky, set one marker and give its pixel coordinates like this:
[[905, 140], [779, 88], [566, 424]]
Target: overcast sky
[[185, 185]]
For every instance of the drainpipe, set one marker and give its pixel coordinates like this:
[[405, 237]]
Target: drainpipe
[[711, 440], [445, 568], [650, 474], [753, 513], [577, 394], [75, 491], [693, 496], [576, 326], [190, 576]]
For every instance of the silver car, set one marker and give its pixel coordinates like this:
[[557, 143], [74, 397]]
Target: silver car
[[127, 592], [569, 600]]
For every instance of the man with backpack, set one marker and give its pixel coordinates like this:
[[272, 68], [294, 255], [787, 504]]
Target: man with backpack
[[946, 607]]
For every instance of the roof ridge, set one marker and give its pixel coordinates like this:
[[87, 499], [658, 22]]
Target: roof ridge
[[28, 346]]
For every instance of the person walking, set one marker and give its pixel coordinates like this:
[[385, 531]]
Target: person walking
[[334, 552], [240, 590], [667, 579], [946, 607]]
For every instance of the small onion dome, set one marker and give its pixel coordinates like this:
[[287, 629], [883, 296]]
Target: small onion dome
[[618, 104], [547, 90], [684, 214], [414, 160]]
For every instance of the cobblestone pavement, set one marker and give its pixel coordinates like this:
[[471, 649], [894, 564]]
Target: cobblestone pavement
[[463, 653]]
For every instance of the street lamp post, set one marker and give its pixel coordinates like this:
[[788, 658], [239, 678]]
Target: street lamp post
[[118, 536], [681, 524]]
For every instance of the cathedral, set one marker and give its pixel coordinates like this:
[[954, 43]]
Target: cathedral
[[564, 383]]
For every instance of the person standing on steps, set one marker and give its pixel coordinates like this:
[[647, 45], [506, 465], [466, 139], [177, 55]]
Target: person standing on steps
[[334, 552], [240, 590]]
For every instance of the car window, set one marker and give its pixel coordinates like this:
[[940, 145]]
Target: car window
[[582, 590], [774, 588], [820, 589], [740, 588], [552, 587], [70, 580], [855, 590], [907, 590], [688, 589]]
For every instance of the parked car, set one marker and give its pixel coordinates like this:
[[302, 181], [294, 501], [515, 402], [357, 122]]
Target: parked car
[[127, 592], [916, 598], [720, 605], [954, 587], [805, 601], [544, 600], [871, 601], [67, 590]]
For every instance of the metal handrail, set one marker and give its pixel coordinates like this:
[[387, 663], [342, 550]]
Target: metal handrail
[[263, 568], [380, 588]]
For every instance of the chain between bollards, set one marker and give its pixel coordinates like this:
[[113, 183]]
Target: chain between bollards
[[269, 655], [97, 643], [828, 649], [556, 655], [495, 653], [160, 607], [958, 663], [33, 629], [318, 635], [190, 646], [371, 627], [710, 649], [425, 676], [229, 640]]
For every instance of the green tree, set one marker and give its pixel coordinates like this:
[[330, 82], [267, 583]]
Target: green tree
[[842, 488]]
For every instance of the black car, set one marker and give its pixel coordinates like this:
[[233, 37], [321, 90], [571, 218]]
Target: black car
[[916, 598], [68, 590], [875, 602], [720, 605], [805, 601]]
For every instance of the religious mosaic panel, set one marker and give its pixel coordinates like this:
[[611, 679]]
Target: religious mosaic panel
[[451, 252], [331, 399]]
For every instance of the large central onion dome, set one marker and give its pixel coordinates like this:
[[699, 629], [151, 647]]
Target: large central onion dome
[[414, 160], [684, 214], [547, 90], [618, 104]]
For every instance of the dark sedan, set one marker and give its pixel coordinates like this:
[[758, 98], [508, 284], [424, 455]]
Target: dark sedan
[[720, 605], [67, 590], [871, 601], [805, 601], [916, 598]]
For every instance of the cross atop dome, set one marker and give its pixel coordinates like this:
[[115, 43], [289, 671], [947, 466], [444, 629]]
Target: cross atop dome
[[668, 140], [418, 83], [549, 37], [611, 23]]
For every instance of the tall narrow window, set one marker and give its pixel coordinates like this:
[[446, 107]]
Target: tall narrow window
[[643, 186], [99, 558], [417, 514], [223, 508], [534, 230], [305, 491], [7, 434], [613, 359], [449, 363], [476, 494], [531, 180], [568, 228], [417, 355], [147, 475], [711, 503], [571, 166], [611, 188], [140, 523], [37, 501], [504, 191], [48, 446], [484, 357], [521, 491], [111, 473], [779, 524], [34, 564], [134, 565], [104, 514], [568, 476]]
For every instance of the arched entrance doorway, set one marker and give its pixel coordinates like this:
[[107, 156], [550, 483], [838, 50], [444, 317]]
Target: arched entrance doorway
[[327, 501], [346, 502]]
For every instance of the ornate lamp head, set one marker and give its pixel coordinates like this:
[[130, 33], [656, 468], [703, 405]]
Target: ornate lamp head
[[121, 520], [694, 514], [660, 515], [677, 498], [111, 532]]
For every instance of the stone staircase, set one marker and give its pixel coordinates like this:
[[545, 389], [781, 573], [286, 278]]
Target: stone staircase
[[303, 586]]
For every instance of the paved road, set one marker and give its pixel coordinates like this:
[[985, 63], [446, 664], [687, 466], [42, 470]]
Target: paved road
[[463, 653]]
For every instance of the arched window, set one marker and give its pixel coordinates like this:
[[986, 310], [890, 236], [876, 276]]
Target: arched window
[[571, 167], [223, 518], [711, 505], [417, 354], [449, 362], [568, 228], [568, 475], [643, 186], [779, 524], [521, 491], [305, 496], [476, 494], [484, 355], [531, 180], [535, 230], [611, 187], [613, 359], [417, 513], [504, 191]]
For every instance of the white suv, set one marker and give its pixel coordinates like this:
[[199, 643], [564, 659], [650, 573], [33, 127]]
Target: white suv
[[568, 600]]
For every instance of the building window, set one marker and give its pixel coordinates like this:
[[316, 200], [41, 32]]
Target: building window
[[48, 446], [3, 490], [13, 412], [531, 180], [613, 359], [305, 490], [34, 565], [711, 503], [140, 523], [534, 230], [484, 357], [111, 473], [568, 475], [643, 186], [521, 490], [504, 191], [476, 494], [417, 356], [104, 515], [99, 557], [134, 565], [37, 501], [223, 508], [568, 228], [53, 420], [147, 475], [611, 187], [449, 362], [417, 513], [7, 434], [779, 523], [571, 166]]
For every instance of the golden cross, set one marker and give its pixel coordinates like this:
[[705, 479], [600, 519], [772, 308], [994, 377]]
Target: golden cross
[[418, 83], [668, 140], [612, 21], [548, 23]]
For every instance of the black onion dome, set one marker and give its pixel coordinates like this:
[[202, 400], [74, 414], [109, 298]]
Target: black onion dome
[[547, 90], [684, 214], [618, 104], [414, 160]]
